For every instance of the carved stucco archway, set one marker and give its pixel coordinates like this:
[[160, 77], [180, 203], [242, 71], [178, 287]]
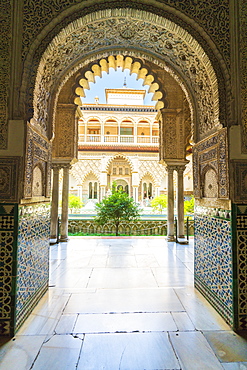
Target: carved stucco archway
[[128, 31], [120, 156]]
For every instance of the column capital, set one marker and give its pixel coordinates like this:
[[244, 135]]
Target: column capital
[[56, 166], [180, 169], [66, 166], [170, 168]]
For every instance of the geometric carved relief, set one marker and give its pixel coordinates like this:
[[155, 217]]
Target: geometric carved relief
[[5, 62], [65, 140], [243, 70], [211, 154], [215, 22], [37, 182], [9, 178], [173, 139], [210, 184], [124, 28], [38, 155], [239, 173]]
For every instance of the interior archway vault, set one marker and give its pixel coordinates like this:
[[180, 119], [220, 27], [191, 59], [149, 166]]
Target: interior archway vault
[[168, 91], [187, 70], [115, 37]]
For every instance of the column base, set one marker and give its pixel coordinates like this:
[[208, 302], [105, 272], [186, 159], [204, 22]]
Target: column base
[[182, 240], [63, 238], [53, 240], [171, 238]]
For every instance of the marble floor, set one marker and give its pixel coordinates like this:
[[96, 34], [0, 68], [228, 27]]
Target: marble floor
[[128, 304]]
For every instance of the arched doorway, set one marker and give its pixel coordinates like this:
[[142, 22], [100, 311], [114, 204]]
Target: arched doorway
[[155, 46]]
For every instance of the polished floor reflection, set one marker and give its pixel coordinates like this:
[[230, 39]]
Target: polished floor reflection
[[125, 303]]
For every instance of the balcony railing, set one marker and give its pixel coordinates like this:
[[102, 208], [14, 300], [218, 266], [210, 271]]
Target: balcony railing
[[127, 139]]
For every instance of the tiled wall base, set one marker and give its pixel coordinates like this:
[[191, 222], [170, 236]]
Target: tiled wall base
[[33, 257], [8, 244], [213, 263], [240, 265]]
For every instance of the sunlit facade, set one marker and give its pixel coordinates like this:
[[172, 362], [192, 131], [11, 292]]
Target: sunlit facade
[[119, 142]]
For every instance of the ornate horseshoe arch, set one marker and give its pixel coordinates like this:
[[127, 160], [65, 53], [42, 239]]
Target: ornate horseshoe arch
[[137, 31]]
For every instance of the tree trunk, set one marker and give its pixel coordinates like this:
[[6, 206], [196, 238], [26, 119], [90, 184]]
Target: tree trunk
[[117, 223]]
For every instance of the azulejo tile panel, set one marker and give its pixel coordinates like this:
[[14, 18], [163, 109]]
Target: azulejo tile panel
[[8, 236], [213, 262], [33, 257], [241, 239]]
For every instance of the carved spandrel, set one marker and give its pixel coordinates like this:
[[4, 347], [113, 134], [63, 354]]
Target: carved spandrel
[[155, 38]]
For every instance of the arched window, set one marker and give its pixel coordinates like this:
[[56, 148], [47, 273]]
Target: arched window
[[95, 191], [144, 190], [150, 190], [90, 190], [126, 189]]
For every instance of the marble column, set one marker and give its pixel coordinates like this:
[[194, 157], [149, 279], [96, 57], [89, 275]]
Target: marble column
[[180, 201], [65, 204], [102, 192], [135, 133], [135, 193], [170, 205], [54, 204], [157, 191]]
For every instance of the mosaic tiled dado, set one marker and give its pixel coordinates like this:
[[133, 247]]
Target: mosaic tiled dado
[[8, 237], [33, 257], [213, 262], [240, 269]]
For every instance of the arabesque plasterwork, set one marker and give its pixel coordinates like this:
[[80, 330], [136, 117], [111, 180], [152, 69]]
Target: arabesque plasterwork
[[38, 153], [211, 154], [243, 71], [157, 36], [5, 62]]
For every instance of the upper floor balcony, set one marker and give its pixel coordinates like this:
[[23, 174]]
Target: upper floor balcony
[[96, 139]]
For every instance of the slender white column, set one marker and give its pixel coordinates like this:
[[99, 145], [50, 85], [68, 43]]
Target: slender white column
[[85, 132], [102, 192], [102, 134], [135, 132], [157, 191], [54, 204], [135, 193], [180, 200], [170, 205], [65, 204]]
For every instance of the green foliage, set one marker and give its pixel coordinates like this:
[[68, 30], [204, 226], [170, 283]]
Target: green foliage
[[189, 206], [75, 202], [159, 203], [116, 208]]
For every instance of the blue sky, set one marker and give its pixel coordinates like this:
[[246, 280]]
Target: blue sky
[[114, 80]]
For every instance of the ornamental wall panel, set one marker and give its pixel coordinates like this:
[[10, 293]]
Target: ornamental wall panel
[[5, 62], [38, 153], [10, 176], [160, 36], [211, 154], [65, 142]]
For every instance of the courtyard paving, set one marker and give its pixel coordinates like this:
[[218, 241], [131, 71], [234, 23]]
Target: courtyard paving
[[123, 303]]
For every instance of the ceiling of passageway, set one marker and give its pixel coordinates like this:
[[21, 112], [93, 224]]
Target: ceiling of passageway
[[133, 33]]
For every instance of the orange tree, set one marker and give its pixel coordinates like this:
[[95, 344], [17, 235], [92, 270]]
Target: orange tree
[[116, 208]]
